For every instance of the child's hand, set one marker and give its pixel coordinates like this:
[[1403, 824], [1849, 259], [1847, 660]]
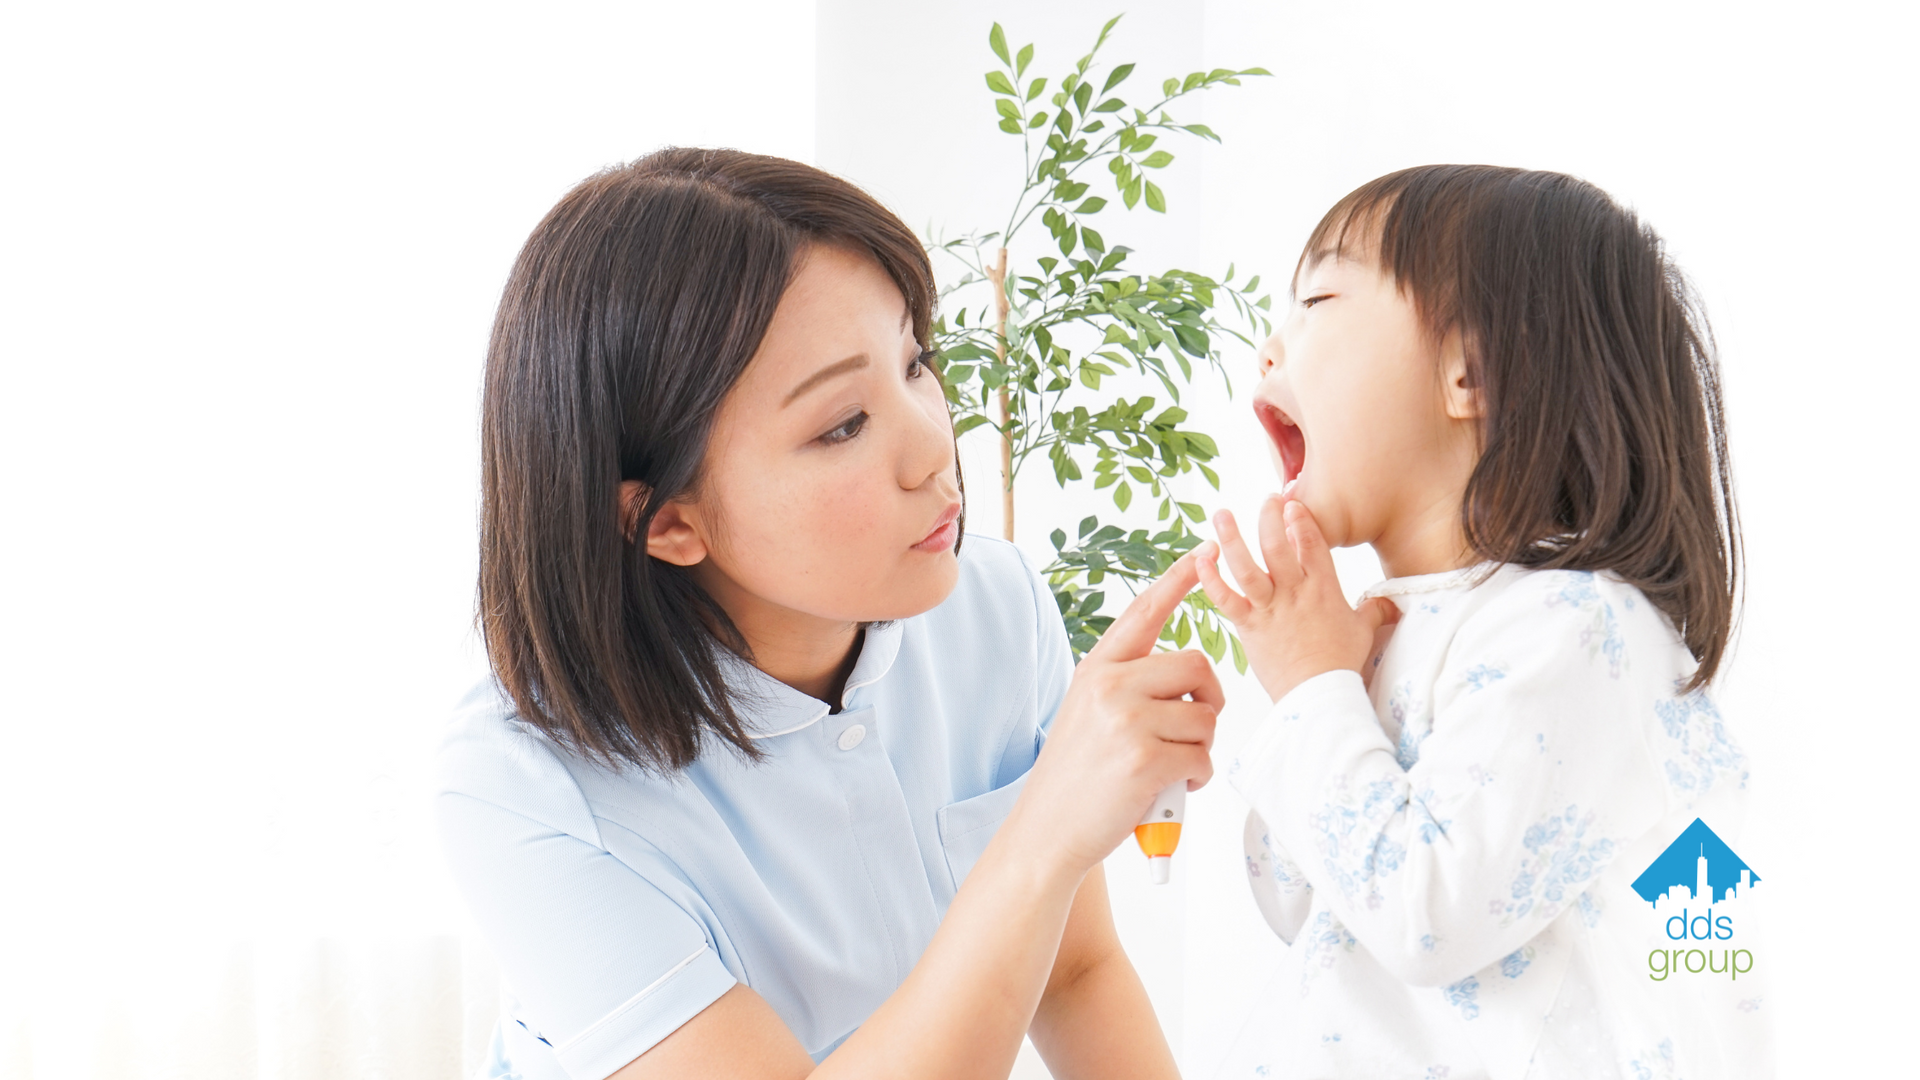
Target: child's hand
[[1293, 620]]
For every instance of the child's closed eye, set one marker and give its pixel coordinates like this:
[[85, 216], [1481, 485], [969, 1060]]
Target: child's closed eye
[[1312, 300]]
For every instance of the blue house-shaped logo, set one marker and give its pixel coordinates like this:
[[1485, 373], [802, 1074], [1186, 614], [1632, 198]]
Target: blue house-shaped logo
[[1701, 864]]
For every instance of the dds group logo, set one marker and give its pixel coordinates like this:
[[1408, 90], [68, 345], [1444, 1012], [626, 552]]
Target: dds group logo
[[1695, 887]]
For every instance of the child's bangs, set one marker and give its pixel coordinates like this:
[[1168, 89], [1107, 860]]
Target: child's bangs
[[1407, 226]]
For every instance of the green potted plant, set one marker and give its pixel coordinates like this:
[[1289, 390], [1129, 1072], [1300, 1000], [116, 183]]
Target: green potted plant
[[1027, 352]]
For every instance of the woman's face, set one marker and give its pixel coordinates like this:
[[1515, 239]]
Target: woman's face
[[829, 488]]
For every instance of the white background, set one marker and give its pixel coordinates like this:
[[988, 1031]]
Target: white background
[[250, 260]]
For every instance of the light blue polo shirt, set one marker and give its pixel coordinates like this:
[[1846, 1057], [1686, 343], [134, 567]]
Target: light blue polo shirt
[[621, 904]]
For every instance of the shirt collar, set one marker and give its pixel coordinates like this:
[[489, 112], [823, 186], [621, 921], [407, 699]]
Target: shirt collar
[[769, 707], [1438, 582]]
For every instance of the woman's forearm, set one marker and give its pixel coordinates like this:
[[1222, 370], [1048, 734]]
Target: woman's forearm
[[1095, 1021], [962, 1012]]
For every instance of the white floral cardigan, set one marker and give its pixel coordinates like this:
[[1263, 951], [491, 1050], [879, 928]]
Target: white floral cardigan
[[1449, 847]]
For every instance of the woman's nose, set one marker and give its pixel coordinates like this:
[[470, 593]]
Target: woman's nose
[[930, 451]]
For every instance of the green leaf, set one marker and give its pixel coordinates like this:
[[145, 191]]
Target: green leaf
[[1203, 131], [1091, 380], [1089, 239], [1122, 496], [1169, 88], [1239, 653], [1039, 120], [1110, 105], [1033, 90], [1011, 127], [1155, 199], [1212, 477], [1192, 81], [1193, 511], [997, 40], [1159, 159], [1118, 76], [1210, 642], [968, 423], [998, 83], [1081, 98], [1006, 108], [1193, 341], [1020, 65], [1088, 524], [1091, 206], [1130, 195], [1256, 71], [1182, 632], [1059, 539]]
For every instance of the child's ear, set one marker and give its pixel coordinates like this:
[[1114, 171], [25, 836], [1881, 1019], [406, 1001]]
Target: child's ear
[[1460, 387], [671, 536]]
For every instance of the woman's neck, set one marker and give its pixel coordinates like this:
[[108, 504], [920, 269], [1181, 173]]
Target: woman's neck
[[811, 654]]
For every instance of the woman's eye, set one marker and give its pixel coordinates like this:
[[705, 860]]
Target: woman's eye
[[1312, 300], [918, 366], [847, 430]]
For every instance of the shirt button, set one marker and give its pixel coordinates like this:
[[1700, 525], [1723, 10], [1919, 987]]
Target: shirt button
[[852, 737]]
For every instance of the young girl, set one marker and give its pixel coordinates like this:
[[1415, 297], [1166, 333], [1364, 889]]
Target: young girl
[[759, 788], [1496, 379]]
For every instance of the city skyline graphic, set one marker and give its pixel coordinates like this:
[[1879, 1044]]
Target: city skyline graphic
[[1698, 865]]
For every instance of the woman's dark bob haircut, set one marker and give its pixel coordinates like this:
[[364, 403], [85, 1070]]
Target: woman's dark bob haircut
[[1602, 444], [629, 315]]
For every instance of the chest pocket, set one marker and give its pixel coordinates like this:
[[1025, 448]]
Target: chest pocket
[[966, 827]]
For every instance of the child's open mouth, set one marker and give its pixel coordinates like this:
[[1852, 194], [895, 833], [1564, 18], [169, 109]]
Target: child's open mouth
[[1287, 438]]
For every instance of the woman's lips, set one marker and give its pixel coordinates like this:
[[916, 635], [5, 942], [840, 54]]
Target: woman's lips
[[1287, 438], [945, 531]]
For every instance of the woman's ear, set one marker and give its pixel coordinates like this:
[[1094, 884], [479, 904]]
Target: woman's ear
[[671, 534], [1460, 388]]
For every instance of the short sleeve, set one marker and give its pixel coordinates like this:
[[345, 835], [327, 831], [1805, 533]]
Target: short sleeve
[[602, 963], [1053, 654]]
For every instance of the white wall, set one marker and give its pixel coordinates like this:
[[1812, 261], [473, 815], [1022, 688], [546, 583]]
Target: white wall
[[251, 255]]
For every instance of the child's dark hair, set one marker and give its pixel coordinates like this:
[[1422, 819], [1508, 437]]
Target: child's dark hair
[[1602, 445], [629, 315]]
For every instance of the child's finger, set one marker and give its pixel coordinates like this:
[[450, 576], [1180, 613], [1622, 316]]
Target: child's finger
[[1309, 545], [1283, 564], [1379, 612], [1231, 604], [1253, 580]]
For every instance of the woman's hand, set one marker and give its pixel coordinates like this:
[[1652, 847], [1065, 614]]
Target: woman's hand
[[1293, 619], [1125, 731]]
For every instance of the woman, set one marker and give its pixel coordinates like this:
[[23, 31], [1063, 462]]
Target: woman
[[759, 786]]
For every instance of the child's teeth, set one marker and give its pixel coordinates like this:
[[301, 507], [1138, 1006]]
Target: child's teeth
[[1288, 487]]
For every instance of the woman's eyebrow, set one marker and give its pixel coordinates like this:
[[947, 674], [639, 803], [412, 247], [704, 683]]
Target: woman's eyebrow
[[851, 363]]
